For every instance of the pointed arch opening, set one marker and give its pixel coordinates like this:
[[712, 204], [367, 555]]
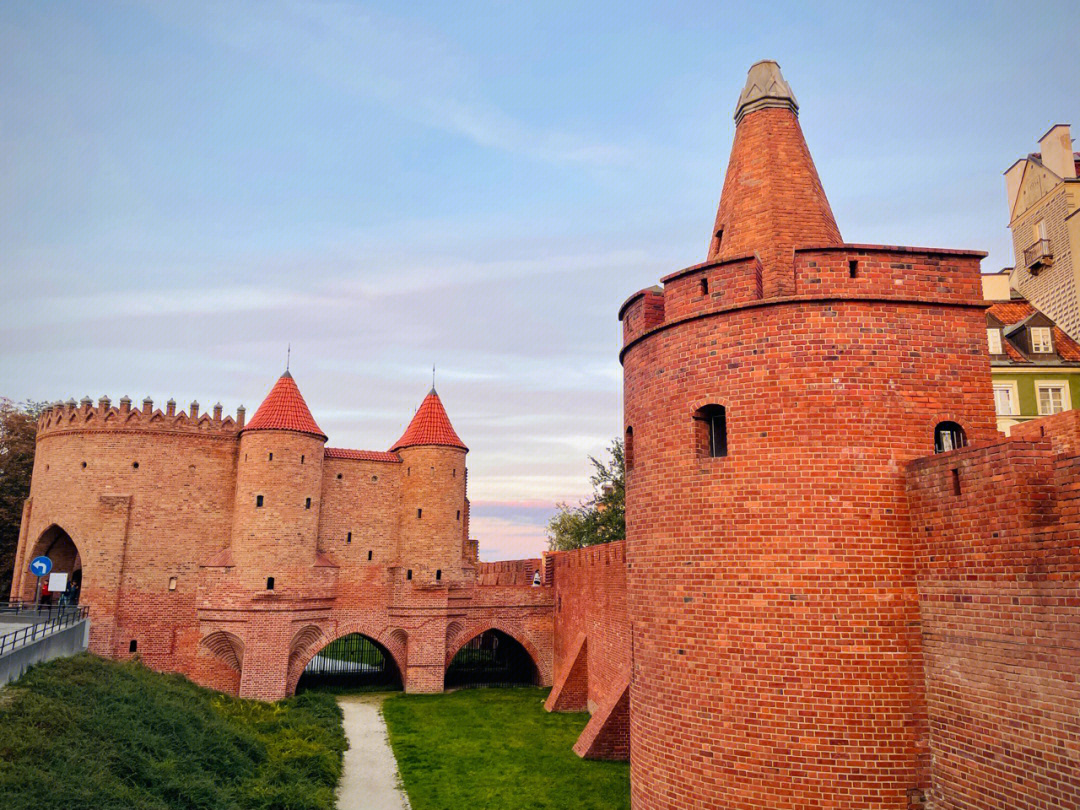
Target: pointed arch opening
[[56, 544], [492, 658], [352, 662]]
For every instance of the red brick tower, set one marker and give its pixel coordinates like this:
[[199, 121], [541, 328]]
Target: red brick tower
[[275, 529], [771, 396], [433, 510]]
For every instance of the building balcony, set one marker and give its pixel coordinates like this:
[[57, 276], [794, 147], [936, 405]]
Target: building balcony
[[1038, 256]]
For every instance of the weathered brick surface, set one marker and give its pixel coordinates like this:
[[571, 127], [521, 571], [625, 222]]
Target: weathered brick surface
[[998, 572], [340, 562]]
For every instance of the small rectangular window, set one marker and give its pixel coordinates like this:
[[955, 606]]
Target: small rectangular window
[[853, 269], [269, 583], [1052, 397], [711, 430], [704, 286], [1040, 340], [438, 574], [419, 513], [307, 503], [133, 645], [271, 457], [369, 554], [1005, 399], [348, 537], [408, 574], [459, 514], [172, 583], [956, 481], [993, 340], [258, 500]]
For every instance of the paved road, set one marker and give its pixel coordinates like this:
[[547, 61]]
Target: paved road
[[370, 780]]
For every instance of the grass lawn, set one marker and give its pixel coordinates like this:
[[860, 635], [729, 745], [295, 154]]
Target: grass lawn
[[497, 749], [83, 732]]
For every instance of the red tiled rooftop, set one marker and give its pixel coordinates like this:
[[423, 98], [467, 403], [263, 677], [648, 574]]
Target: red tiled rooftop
[[363, 455], [431, 425], [1012, 312], [284, 409]]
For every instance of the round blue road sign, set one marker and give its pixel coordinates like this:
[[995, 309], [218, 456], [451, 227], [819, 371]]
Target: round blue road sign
[[40, 566]]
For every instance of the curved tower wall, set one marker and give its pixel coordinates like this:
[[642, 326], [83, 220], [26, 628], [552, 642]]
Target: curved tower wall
[[772, 592], [135, 527], [433, 512], [279, 538], [776, 647]]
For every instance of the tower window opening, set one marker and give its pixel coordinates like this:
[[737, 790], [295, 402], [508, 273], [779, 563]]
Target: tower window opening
[[374, 478], [84, 465], [712, 431], [419, 513], [133, 645], [704, 286], [408, 574], [339, 476], [438, 574], [134, 465], [853, 268], [269, 583], [307, 503], [628, 448], [271, 457], [348, 537], [408, 471], [949, 436], [955, 481], [459, 514], [718, 238], [172, 583], [453, 473], [369, 554], [301, 459], [258, 501]]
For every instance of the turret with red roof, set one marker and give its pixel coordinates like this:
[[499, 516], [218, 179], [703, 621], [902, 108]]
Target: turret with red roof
[[434, 509], [278, 492]]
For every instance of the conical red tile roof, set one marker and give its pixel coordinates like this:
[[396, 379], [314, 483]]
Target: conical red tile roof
[[431, 425], [284, 409], [773, 200]]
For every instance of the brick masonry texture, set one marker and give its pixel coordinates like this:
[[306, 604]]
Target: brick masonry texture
[[789, 648], [156, 499]]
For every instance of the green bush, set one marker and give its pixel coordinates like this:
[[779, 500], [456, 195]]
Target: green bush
[[83, 732]]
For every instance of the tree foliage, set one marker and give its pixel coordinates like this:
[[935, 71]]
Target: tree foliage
[[18, 429], [602, 517]]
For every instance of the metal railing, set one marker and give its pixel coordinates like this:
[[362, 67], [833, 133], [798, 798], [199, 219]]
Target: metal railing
[[1038, 254], [45, 619]]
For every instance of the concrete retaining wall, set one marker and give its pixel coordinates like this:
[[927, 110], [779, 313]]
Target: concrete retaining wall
[[70, 640]]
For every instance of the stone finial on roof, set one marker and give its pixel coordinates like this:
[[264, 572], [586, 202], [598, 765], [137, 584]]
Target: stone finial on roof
[[765, 87]]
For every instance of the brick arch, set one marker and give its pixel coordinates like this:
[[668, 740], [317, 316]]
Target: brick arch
[[225, 647], [387, 638], [47, 541], [948, 416], [543, 666]]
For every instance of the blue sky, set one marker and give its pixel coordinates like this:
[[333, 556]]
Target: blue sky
[[185, 188]]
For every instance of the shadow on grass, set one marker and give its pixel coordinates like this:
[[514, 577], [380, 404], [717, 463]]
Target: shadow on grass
[[497, 749]]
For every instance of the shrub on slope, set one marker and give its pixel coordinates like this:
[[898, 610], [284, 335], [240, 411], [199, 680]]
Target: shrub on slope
[[83, 732]]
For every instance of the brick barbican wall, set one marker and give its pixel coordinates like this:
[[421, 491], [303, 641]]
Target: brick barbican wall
[[776, 649], [592, 646], [176, 554], [997, 532]]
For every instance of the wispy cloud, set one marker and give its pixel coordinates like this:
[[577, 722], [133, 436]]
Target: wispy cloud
[[417, 73]]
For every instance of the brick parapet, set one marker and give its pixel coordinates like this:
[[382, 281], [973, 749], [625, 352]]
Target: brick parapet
[[70, 418], [880, 273]]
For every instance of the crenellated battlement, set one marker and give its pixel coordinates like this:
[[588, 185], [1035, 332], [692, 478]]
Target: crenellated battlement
[[79, 417], [847, 271]]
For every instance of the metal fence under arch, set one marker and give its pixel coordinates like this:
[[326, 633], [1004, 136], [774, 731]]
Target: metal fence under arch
[[351, 662], [492, 658]]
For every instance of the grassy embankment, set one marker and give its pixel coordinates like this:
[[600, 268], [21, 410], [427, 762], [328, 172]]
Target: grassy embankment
[[83, 732], [496, 749]]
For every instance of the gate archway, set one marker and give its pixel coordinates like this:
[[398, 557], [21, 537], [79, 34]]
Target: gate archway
[[492, 658], [57, 545], [353, 661]]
